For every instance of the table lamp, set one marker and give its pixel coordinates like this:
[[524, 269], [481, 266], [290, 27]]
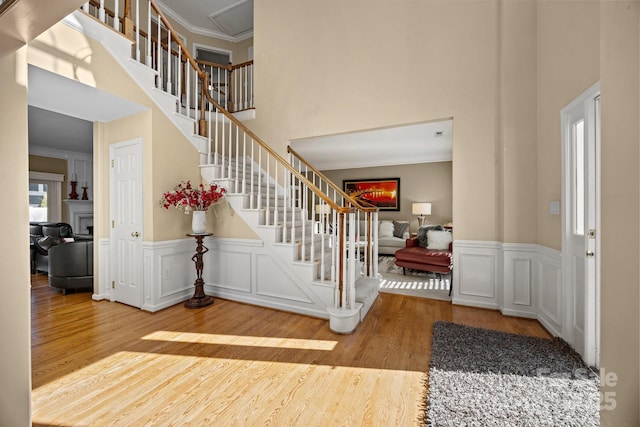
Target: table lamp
[[421, 209]]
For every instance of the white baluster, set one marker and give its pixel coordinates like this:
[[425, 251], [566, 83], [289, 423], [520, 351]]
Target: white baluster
[[246, 87], [268, 208], [159, 56], [253, 189], [275, 197], [138, 30], [287, 196], [244, 162], [260, 169], [216, 148], [85, 7], [251, 87], [169, 61], [149, 32], [187, 91], [179, 84], [116, 19], [237, 176], [224, 146], [230, 149], [101, 15], [209, 139]]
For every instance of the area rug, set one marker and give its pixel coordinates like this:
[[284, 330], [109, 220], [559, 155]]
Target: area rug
[[413, 283], [480, 377]]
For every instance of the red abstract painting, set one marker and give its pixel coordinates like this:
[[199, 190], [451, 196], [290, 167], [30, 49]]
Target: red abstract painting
[[381, 193]]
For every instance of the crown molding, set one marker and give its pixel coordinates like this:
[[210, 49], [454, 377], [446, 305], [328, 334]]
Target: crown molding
[[55, 153], [202, 31]]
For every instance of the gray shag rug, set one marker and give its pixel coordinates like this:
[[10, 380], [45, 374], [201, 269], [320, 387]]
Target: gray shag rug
[[483, 378]]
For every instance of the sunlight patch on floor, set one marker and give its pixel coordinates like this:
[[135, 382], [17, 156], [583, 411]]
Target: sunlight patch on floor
[[135, 388], [429, 285], [241, 340]]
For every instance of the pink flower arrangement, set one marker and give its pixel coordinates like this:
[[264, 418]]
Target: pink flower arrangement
[[188, 197]]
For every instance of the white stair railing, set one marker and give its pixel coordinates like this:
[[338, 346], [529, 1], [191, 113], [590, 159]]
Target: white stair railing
[[162, 49]]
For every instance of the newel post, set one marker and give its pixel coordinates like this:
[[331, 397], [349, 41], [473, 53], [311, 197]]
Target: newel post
[[128, 23]]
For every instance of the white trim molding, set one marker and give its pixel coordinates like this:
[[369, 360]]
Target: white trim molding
[[520, 277], [476, 275]]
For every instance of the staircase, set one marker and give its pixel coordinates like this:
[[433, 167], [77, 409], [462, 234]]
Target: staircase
[[307, 224]]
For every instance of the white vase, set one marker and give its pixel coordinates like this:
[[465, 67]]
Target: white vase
[[199, 222]]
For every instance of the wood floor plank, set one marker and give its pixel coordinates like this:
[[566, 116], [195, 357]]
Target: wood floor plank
[[100, 363]]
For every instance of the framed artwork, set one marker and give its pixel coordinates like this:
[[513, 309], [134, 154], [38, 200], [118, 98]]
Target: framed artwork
[[381, 193]]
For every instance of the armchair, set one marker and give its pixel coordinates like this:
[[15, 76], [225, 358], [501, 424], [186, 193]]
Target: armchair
[[43, 237], [71, 266]]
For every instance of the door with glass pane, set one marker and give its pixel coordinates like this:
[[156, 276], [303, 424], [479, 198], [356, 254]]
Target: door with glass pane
[[581, 239]]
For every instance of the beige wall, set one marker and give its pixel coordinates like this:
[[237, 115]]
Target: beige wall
[[15, 324], [426, 182], [620, 89], [327, 68], [568, 64], [51, 165], [517, 159]]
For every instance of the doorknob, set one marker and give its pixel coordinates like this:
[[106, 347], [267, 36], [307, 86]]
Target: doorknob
[[135, 234], [590, 254]]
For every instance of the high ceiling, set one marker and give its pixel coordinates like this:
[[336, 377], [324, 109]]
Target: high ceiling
[[225, 19], [50, 119]]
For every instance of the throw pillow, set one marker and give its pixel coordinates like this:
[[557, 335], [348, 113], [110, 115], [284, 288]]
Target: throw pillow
[[439, 240], [385, 229], [422, 234], [399, 228]]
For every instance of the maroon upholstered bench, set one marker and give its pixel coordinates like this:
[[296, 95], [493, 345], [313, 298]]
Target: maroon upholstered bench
[[423, 259]]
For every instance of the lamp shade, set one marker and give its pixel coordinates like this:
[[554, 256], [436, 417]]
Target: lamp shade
[[421, 208]]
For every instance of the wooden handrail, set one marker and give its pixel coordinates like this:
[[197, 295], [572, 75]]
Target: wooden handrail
[[355, 202], [242, 64]]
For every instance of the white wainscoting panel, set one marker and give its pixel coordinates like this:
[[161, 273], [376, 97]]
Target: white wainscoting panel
[[476, 276], [520, 277], [238, 278], [104, 271], [169, 273], [550, 310]]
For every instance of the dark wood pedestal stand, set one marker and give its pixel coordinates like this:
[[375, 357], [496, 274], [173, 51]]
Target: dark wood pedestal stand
[[199, 299]]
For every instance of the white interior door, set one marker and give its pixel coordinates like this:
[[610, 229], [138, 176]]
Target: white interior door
[[126, 222], [580, 122]]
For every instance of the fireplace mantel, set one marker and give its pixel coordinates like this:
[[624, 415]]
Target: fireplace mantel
[[80, 214]]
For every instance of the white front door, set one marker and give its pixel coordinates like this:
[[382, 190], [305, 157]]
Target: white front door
[[126, 222], [580, 124]]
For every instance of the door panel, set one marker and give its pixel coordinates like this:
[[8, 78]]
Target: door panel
[[126, 208]]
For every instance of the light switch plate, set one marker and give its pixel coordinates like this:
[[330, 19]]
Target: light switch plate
[[554, 208]]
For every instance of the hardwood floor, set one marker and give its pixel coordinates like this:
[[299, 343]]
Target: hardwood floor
[[101, 363]]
